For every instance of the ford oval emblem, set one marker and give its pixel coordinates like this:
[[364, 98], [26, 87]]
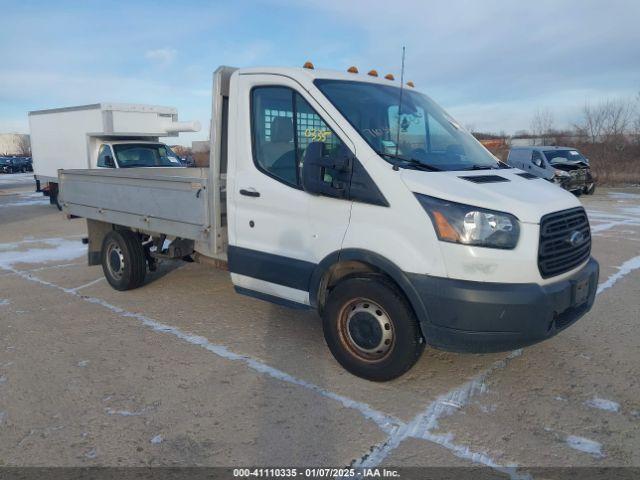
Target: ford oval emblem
[[576, 238]]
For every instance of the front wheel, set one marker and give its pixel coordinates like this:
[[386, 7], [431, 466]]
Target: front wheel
[[371, 329], [590, 190], [123, 260]]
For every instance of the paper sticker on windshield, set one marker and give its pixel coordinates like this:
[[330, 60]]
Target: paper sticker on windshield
[[173, 160], [574, 152]]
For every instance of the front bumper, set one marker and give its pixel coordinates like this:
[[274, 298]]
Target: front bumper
[[479, 317], [579, 180]]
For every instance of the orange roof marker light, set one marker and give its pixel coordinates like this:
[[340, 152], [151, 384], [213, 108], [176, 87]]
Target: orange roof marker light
[[389, 76], [410, 84], [308, 65], [373, 73], [352, 69]]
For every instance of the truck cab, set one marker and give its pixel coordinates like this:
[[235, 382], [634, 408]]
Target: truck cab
[[134, 154], [361, 198]]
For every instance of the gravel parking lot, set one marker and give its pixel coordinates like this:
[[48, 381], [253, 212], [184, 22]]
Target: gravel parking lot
[[183, 371]]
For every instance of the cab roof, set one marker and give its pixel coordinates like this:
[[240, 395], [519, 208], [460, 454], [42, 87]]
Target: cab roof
[[313, 74]]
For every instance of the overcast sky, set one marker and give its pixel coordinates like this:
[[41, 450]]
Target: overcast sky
[[490, 63]]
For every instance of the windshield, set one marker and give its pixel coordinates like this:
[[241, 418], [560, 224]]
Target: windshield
[[131, 155], [563, 156], [419, 131]]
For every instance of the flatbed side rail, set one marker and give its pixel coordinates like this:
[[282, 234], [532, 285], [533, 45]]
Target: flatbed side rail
[[170, 201]]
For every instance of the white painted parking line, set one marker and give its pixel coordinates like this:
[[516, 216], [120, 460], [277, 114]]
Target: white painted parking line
[[387, 423], [423, 424], [625, 269], [93, 282]]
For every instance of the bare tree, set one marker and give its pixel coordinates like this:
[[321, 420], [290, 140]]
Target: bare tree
[[606, 122], [636, 122], [592, 124], [23, 145], [542, 124], [617, 118]]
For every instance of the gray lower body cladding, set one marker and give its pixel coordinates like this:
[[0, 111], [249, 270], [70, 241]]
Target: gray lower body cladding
[[490, 317]]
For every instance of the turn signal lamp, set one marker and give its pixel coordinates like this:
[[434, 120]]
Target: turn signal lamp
[[352, 70], [388, 76], [308, 65], [446, 231], [410, 84], [373, 73]]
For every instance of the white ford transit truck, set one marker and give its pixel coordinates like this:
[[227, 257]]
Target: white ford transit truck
[[360, 198]]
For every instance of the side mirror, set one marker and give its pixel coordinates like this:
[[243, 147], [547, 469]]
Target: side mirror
[[108, 161], [326, 174]]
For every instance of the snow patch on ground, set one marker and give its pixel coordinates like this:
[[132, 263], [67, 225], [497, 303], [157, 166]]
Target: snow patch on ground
[[157, 439], [3, 302], [125, 413], [624, 196], [585, 445], [25, 200], [603, 404], [16, 178], [60, 249]]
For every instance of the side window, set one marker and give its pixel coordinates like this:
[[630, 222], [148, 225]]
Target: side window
[[105, 157], [536, 159], [278, 147]]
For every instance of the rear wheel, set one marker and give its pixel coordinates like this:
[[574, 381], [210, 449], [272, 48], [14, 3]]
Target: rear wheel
[[123, 260], [371, 329]]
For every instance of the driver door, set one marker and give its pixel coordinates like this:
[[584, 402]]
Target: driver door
[[537, 165], [278, 232]]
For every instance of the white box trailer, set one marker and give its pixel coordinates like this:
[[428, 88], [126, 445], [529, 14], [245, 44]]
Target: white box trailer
[[71, 137]]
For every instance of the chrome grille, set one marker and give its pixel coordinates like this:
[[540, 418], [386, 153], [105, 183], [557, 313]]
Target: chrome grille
[[556, 252]]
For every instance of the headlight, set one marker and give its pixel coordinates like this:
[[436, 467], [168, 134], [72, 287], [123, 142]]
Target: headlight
[[469, 225], [561, 173]]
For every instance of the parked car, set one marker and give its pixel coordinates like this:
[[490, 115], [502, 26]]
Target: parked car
[[6, 165], [564, 166], [15, 164], [188, 161]]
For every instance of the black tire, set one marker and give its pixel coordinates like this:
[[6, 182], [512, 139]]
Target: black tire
[[590, 190], [123, 260], [363, 313]]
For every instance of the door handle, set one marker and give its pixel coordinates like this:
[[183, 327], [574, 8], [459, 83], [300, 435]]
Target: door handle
[[249, 192]]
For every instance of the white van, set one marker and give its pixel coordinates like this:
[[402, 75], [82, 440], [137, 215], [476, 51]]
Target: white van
[[364, 200]]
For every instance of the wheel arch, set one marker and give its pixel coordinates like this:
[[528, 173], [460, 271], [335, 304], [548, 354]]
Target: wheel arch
[[351, 261]]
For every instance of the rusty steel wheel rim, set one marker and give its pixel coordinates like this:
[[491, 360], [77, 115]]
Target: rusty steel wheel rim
[[366, 330]]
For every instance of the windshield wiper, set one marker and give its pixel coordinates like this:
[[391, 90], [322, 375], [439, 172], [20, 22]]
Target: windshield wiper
[[412, 161]]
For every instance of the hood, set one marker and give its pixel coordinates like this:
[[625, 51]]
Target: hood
[[569, 165], [527, 199]]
